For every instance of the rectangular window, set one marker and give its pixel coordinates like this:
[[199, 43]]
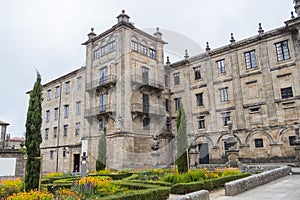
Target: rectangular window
[[96, 52], [134, 44], [197, 73], [225, 118], [201, 122], [146, 124], [145, 75], [66, 130], [177, 103], [224, 94], [101, 124], [152, 52], [79, 83], [102, 75], [286, 92], [176, 79], [146, 103], [199, 98], [66, 111], [167, 81], [103, 50], [55, 113], [259, 143], [77, 128], [282, 49], [51, 154], [226, 146], [54, 132], [48, 95], [67, 85], [167, 105], [46, 133], [78, 107], [47, 115], [221, 66], [102, 103], [57, 91], [292, 140], [64, 152], [250, 59]]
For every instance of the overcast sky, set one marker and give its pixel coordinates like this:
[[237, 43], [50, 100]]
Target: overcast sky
[[47, 35]]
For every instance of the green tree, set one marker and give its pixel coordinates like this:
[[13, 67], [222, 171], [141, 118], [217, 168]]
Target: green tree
[[181, 141], [33, 136], [101, 158]]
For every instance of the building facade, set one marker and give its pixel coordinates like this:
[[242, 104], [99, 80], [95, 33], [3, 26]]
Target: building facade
[[126, 92]]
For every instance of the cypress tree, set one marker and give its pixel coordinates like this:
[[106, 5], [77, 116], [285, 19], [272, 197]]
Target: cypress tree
[[101, 158], [33, 136], [182, 144]]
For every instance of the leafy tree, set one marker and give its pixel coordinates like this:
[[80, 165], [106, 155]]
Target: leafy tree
[[33, 136], [182, 144], [101, 158]]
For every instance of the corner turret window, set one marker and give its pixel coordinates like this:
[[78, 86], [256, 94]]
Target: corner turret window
[[134, 44], [103, 48], [112, 44], [152, 52], [96, 52]]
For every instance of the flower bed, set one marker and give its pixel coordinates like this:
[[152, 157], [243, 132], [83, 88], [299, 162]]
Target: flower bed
[[9, 187]]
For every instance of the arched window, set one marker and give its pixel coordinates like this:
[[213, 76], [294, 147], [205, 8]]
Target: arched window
[[144, 48], [134, 44], [111, 44], [152, 52], [96, 52], [103, 48]]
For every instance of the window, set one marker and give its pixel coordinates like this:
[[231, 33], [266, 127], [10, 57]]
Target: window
[[102, 75], [101, 124], [177, 103], [51, 154], [66, 130], [221, 66], [224, 94], [144, 48], [47, 115], [102, 103], [292, 140], [176, 78], [167, 81], [112, 44], [146, 103], [152, 52], [226, 146], [77, 128], [225, 118], [145, 75], [168, 126], [286, 92], [67, 84], [64, 152], [201, 122], [66, 111], [104, 48], [96, 52], [78, 107], [282, 49], [259, 143], [146, 124], [48, 95], [54, 132], [167, 105], [197, 73], [199, 98], [79, 83], [134, 44], [55, 113], [250, 59], [57, 91], [46, 133]]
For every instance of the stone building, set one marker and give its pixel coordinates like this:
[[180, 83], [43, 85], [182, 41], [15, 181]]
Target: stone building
[[126, 92]]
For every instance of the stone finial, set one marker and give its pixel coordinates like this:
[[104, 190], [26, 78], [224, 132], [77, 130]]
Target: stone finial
[[297, 7], [232, 40], [207, 47], [158, 34], [260, 29], [292, 15], [186, 56], [123, 17], [91, 35], [168, 61]]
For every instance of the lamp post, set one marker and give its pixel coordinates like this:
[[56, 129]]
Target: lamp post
[[83, 164]]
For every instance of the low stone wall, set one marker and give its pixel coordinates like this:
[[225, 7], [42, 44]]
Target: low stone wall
[[199, 195], [235, 187], [20, 163]]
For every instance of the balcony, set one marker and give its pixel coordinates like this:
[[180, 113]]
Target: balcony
[[139, 109], [147, 83], [103, 82], [102, 110]]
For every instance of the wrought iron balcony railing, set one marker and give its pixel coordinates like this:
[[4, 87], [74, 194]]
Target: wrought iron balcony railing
[[144, 81], [147, 109], [100, 110], [102, 82]]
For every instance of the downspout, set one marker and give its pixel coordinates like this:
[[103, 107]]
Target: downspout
[[58, 125]]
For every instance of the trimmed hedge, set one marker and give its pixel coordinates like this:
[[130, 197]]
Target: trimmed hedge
[[184, 188], [114, 176], [158, 183]]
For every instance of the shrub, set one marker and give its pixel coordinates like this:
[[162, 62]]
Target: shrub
[[33, 194], [54, 174], [9, 187]]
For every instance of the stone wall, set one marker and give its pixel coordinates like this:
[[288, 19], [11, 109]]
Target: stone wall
[[20, 165], [244, 184], [201, 194]]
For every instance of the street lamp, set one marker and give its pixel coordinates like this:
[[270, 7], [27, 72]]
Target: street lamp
[[83, 166]]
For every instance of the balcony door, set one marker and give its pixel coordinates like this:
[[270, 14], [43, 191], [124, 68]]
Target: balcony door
[[146, 103], [102, 75], [102, 102], [145, 75]]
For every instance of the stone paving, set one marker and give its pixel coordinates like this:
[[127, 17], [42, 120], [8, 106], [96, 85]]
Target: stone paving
[[286, 188]]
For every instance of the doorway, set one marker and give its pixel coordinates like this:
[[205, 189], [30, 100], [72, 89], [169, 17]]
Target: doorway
[[203, 153], [76, 164]]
